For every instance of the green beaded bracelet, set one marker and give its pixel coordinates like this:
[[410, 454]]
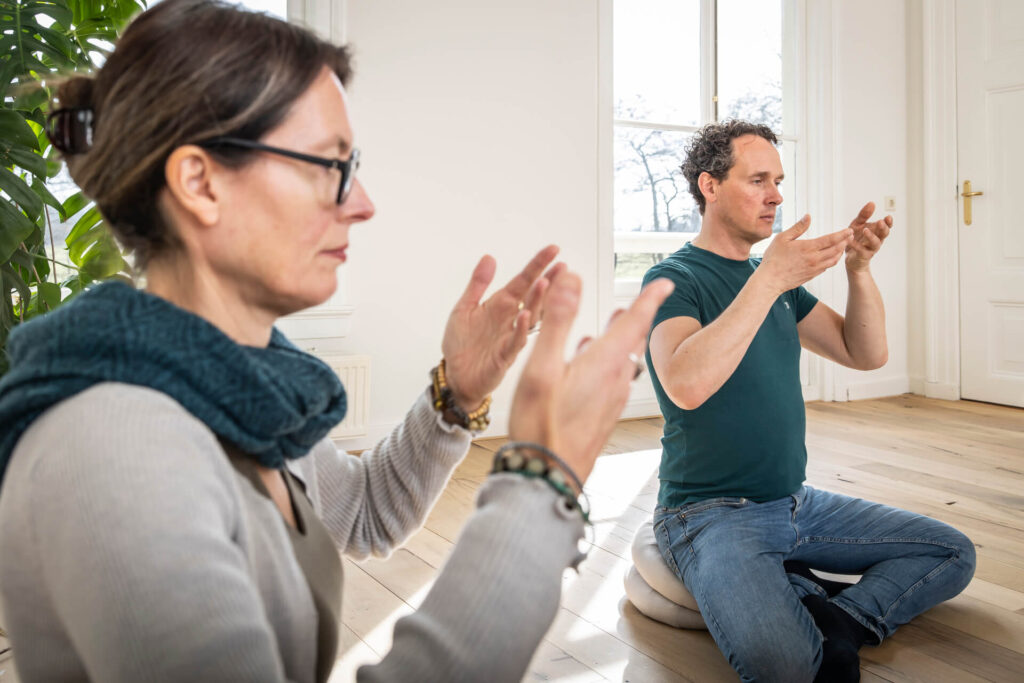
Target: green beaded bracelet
[[514, 457]]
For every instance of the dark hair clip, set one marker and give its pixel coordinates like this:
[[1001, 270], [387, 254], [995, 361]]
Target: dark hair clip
[[70, 130]]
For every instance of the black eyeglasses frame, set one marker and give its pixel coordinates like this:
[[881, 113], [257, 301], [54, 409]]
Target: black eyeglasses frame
[[347, 166]]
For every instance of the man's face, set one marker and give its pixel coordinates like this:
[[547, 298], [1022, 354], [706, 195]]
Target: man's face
[[746, 200]]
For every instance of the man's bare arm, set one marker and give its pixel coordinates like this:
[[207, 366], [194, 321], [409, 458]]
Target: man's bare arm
[[693, 362], [857, 341]]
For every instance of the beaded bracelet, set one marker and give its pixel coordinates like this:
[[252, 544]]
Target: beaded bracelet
[[444, 401], [514, 457]]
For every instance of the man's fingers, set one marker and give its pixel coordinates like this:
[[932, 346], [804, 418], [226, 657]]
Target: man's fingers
[[799, 228], [481, 279], [863, 215], [521, 283], [826, 242]]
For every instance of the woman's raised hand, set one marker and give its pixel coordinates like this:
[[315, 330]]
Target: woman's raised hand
[[571, 407], [481, 340]]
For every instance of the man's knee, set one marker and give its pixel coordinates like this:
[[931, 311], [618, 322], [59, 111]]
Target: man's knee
[[965, 558]]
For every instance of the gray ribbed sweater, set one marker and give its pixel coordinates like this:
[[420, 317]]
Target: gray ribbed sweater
[[131, 550]]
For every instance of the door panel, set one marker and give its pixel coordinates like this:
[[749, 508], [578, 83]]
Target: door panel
[[990, 153]]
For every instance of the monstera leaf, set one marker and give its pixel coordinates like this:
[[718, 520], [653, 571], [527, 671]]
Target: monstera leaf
[[40, 40]]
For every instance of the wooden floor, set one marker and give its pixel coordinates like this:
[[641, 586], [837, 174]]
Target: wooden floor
[[960, 462]]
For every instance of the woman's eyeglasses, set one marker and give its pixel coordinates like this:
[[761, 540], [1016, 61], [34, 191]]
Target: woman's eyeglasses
[[347, 167]]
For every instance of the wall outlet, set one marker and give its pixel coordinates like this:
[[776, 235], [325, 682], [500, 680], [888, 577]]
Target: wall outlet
[[889, 204]]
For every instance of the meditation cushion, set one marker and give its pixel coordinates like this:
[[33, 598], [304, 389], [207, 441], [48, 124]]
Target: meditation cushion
[[654, 590]]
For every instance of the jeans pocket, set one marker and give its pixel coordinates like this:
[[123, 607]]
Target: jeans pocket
[[726, 502]]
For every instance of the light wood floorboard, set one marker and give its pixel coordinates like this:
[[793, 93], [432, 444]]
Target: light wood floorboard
[[958, 461]]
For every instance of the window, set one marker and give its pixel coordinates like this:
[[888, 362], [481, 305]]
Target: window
[[677, 65]]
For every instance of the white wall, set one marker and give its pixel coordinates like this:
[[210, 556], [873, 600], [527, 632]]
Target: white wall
[[872, 163], [479, 123], [915, 198]]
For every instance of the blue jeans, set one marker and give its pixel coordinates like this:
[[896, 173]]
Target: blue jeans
[[729, 553]]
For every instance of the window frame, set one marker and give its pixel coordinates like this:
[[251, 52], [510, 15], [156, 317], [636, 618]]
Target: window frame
[[623, 290]]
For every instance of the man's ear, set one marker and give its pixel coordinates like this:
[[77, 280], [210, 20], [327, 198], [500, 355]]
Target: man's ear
[[191, 182], [708, 185]]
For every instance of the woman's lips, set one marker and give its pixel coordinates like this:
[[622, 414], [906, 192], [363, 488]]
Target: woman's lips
[[338, 253]]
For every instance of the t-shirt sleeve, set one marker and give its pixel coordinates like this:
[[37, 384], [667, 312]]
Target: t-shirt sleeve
[[803, 302], [683, 301]]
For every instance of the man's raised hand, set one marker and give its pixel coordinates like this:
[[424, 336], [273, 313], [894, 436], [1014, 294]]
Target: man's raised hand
[[867, 238], [790, 262]]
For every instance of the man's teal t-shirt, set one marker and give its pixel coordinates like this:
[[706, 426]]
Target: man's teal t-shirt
[[746, 440]]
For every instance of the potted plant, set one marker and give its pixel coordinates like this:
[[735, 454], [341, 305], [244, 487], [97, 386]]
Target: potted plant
[[40, 41]]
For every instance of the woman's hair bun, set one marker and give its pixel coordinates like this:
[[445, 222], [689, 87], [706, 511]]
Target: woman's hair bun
[[70, 126]]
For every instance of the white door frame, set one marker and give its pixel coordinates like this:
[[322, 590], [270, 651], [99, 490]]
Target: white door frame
[[940, 219]]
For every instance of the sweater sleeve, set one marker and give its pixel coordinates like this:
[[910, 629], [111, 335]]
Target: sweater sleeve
[[497, 594], [119, 510], [371, 503]]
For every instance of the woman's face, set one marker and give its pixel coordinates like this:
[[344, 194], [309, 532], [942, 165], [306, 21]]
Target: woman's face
[[285, 235]]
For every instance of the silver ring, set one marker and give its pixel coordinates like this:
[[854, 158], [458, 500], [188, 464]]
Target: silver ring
[[639, 365]]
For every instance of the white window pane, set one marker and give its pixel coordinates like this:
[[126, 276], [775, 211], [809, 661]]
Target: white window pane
[[750, 61], [657, 60], [650, 191], [654, 211]]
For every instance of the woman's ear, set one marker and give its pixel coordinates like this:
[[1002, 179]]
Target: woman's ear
[[191, 182], [708, 187]]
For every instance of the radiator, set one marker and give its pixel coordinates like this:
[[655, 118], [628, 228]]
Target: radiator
[[354, 373]]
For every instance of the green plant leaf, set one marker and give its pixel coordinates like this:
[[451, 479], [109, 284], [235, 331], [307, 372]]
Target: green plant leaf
[[15, 227], [33, 98], [27, 159], [58, 11], [20, 191], [75, 203], [104, 260], [13, 280], [13, 127], [44, 194], [50, 293], [84, 235]]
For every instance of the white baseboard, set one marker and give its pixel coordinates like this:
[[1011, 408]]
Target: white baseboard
[[890, 386], [947, 392]]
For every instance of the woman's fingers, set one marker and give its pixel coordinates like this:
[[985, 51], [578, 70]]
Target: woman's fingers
[[628, 330], [521, 283], [560, 308], [479, 281]]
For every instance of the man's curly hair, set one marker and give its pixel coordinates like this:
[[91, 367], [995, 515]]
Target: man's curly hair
[[710, 150]]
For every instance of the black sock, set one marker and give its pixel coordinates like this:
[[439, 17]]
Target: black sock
[[843, 637], [832, 588]]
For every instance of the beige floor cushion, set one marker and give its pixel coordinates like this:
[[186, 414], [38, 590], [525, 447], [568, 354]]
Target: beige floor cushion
[[654, 590]]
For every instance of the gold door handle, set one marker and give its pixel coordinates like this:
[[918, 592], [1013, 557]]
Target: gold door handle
[[967, 195]]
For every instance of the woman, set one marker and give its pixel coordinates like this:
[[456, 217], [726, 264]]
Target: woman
[[170, 507]]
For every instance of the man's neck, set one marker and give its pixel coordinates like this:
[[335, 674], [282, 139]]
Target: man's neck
[[717, 239]]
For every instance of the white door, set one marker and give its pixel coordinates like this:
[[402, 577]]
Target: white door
[[990, 154]]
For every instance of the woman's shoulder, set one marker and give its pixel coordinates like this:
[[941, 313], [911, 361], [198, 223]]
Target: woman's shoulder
[[111, 426]]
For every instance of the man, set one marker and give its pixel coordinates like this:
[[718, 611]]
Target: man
[[732, 509]]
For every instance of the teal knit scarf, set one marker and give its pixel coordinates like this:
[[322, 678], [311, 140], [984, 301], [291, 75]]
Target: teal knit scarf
[[272, 403]]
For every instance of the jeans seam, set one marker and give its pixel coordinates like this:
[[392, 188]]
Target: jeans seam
[[921, 582], [866, 541], [663, 529]]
